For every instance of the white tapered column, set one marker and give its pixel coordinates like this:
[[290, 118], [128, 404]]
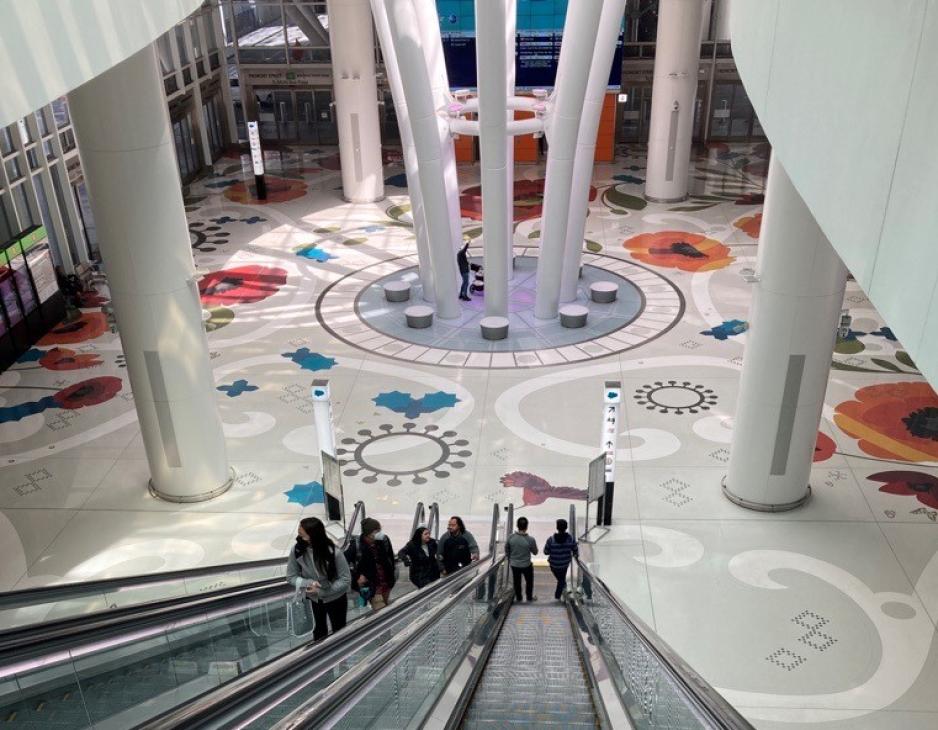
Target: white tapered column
[[721, 24], [129, 162], [428, 21], [677, 56], [380, 12], [579, 33], [610, 23], [491, 65], [430, 132], [793, 318], [352, 42], [511, 32]]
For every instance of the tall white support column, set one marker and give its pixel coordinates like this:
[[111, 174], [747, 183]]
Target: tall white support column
[[491, 65], [579, 32], [425, 270], [677, 56], [127, 155], [431, 132], [511, 32], [610, 23], [721, 23], [794, 315], [428, 23], [352, 43]]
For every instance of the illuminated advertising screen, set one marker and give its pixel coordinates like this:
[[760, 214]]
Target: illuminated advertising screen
[[537, 48]]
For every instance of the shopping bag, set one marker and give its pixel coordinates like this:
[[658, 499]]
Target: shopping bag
[[300, 619]]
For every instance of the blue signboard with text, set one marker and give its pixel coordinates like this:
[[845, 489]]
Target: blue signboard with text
[[539, 33]]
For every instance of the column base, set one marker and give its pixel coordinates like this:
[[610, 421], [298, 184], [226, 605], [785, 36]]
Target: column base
[[204, 497], [668, 201], [357, 202], [761, 506]]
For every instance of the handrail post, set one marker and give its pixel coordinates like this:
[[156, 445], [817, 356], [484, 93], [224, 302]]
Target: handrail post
[[572, 526], [509, 526], [493, 538], [358, 514], [434, 522], [419, 518]]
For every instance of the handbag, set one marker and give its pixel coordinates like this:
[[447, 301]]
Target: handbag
[[300, 619]]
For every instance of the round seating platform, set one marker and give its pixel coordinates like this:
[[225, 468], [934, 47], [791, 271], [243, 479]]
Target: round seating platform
[[603, 292], [419, 316], [573, 316], [397, 291], [494, 328]]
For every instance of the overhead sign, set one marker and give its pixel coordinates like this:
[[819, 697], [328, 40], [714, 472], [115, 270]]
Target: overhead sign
[[612, 401], [257, 155]]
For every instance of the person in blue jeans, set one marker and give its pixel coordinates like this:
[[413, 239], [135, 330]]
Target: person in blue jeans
[[462, 260], [560, 549]]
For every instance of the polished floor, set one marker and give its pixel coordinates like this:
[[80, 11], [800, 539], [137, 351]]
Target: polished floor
[[820, 617]]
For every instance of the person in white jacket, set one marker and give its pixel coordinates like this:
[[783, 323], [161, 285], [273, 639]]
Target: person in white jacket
[[318, 567]]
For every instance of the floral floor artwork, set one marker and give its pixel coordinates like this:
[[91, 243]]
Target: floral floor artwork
[[822, 617]]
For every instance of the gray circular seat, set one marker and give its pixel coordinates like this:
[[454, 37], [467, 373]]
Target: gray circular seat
[[397, 291], [603, 292], [494, 328], [419, 316], [573, 316]]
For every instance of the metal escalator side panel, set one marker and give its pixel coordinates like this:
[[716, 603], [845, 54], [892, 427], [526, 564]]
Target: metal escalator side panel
[[652, 680], [400, 682], [450, 708], [610, 707]]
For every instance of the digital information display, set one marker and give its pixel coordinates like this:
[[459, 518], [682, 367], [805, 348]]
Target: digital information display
[[537, 50]]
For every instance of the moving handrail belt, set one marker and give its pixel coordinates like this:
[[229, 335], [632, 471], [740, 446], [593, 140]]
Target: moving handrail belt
[[277, 671]]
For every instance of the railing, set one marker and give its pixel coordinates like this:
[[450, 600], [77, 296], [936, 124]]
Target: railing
[[434, 523], [358, 514], [405, 676], [309, 668], [659, 688], [420, 518]]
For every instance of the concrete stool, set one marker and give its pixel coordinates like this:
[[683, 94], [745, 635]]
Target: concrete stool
[[419, 317], [603, 292], [397, 291], [494, 328], [573, 316]]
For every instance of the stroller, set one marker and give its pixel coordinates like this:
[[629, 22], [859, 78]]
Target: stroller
[[478, 283]]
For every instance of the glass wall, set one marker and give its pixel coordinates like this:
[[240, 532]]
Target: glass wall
[[277, 31]]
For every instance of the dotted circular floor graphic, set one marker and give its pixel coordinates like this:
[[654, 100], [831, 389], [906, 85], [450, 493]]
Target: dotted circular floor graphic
[[353, 310]]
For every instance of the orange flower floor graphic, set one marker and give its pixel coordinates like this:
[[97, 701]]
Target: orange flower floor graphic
[[893, 421], [279, 190], [751, 225], [679, 250]]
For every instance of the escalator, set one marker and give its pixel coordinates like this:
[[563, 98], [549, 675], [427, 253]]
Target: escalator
[[471, 657], [113, 653]]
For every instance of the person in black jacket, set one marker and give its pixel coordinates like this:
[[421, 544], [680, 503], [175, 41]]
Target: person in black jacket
[[375, 566], [457, 547], [462, 260], [420, 555]]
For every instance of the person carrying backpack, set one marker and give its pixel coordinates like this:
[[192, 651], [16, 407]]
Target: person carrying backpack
[[457, 547], [375, 566], [560, 549], [519, 548]]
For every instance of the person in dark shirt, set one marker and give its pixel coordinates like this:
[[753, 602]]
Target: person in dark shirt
[[420, 556], [462, 259], [375, 566], [561, 549], [458, 547]]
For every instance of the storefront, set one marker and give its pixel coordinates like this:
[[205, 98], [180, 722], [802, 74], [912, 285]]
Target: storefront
[[30, 300]]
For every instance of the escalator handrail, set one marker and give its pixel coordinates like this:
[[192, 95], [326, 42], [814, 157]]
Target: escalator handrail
[[280, 668], [705, 697], [358, 514], [433, 521], [40, 637], [65, 591], [349, 688], [420, 518]]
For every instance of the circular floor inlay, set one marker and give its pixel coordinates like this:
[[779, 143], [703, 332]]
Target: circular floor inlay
[[354, 310], [373, 453], [676, 397]]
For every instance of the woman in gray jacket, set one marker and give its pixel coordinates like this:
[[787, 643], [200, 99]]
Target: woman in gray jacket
[[317, 566]]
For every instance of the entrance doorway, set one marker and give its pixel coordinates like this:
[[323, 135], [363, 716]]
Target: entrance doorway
[[732, 118], [305, 116]]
